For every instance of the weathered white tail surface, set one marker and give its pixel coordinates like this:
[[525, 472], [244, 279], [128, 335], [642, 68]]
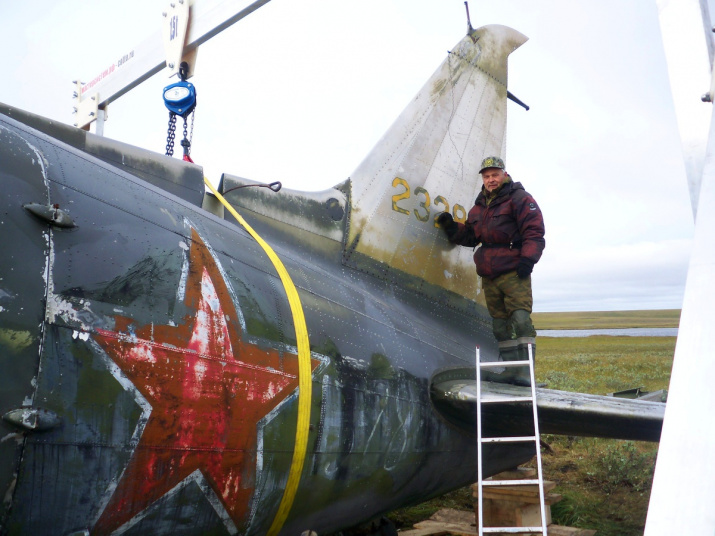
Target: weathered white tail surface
[[428, 163]]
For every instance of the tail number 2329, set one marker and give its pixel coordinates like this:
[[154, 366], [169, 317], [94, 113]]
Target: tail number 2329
[[424, 203]]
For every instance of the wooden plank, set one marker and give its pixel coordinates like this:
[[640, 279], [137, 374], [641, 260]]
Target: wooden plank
[[513, 514], [439, 527], [430, 531], [435, 528], [558, 530], [451, 522], [519, 473], [518, 491], [450, 515], [549, 499]]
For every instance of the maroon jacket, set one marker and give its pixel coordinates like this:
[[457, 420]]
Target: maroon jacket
[[509, 228]]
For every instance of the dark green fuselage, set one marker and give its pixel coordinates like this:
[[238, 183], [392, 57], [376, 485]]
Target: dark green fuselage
[[79, 301]]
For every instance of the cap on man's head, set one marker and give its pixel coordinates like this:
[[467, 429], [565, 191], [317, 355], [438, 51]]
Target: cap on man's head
[[492, 162]]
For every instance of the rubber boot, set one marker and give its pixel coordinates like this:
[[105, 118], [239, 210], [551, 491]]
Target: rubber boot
[[523, 347], [521, 324], [502, 329], [511, 351]]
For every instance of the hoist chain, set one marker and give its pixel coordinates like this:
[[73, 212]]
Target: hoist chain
[[172, 134], [186, 142], [180, 99]]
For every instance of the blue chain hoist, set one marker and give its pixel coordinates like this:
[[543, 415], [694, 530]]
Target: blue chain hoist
[[180, 99]]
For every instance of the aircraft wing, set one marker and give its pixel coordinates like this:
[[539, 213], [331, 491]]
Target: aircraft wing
[[560, 412]]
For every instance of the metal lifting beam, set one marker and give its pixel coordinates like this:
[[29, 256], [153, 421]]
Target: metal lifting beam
[[204, 20]]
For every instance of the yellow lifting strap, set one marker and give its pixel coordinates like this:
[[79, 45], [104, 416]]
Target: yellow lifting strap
[[304, 371]]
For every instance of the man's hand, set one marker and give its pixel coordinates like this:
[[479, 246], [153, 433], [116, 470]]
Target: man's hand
[[444, 220], [523, 270]]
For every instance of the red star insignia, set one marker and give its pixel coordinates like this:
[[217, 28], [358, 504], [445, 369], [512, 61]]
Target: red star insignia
[[207, 389]]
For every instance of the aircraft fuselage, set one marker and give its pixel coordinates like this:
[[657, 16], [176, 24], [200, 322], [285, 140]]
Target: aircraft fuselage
[[153, 347]]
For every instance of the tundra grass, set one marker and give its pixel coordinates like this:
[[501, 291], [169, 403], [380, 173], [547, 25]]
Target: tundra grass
[[666, 318], [605, 483]]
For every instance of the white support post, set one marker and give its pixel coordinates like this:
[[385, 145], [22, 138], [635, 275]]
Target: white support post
[[683, 490], [688, 46]]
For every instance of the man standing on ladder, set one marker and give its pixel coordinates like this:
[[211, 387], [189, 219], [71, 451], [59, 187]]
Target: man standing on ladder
[[508, 224]]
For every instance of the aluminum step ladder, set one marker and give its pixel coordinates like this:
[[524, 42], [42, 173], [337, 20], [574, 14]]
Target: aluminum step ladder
[[481, 482]]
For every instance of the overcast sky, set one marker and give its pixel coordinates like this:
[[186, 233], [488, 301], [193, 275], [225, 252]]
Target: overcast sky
[[301, 90]]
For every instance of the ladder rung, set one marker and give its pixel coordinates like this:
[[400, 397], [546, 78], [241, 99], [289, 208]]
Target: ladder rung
[[514, 439], [505, 399], [494, 398], [497, 364], [511, 530], [520, 482]]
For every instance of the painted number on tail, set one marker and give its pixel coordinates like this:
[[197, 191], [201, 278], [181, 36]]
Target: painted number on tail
[[424, 203]]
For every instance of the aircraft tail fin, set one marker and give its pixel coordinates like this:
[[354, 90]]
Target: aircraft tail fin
[[428, 162]]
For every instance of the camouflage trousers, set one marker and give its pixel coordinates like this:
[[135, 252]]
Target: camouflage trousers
[[509, 302]]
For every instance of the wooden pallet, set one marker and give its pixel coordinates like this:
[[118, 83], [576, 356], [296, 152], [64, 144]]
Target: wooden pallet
[[503, 506], [515, 506], [449, 522]]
